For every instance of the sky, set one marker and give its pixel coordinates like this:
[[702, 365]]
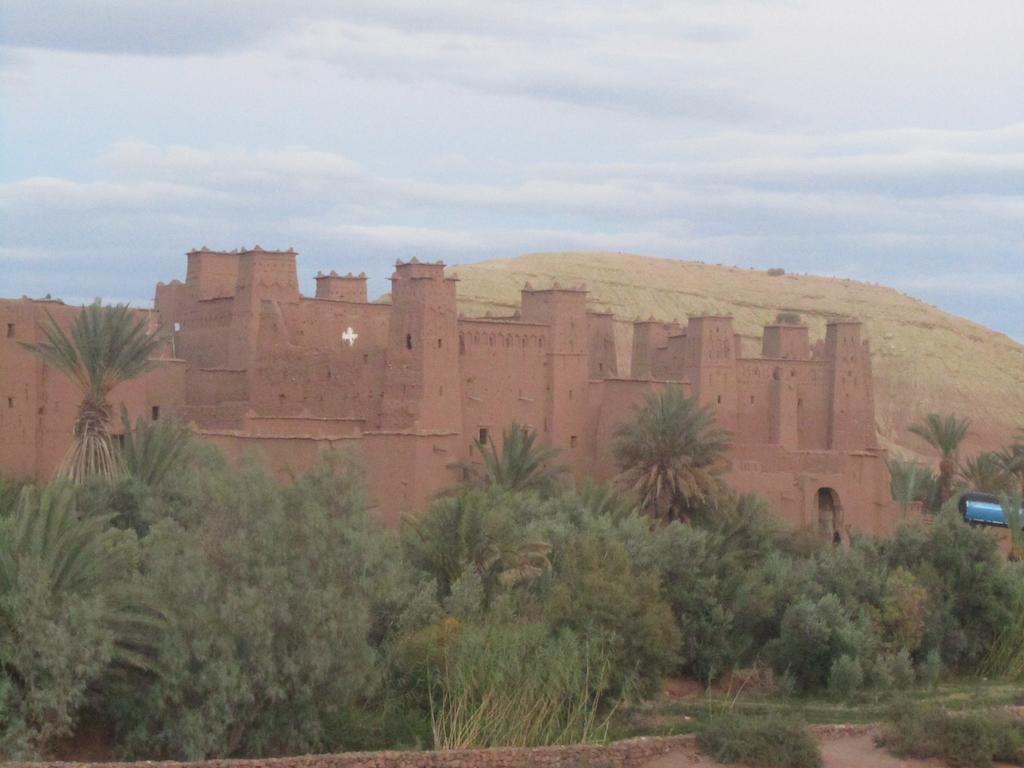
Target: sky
[[881, 141]]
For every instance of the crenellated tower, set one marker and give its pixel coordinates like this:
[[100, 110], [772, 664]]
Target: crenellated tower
[[266, 279], [711, 366], [564, 310], [422, 390], [851, 397]]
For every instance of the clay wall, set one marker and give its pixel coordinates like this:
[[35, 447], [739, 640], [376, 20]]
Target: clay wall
[[567, 370], [601, 346], [852, 416], [786, 342], [711, 367], [650, 357], [422, 386], [322, 357], [502, 364], [211, 274], [337, 287], [791, 480], [783, 402]]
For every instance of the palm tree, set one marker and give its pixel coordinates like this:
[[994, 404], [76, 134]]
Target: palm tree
[[910, 482], [151, 449], [945, 434], [1013, 461], [470, 531], [522, 464], [107, 346], [671, 454], [1013, 514], [986, 472]]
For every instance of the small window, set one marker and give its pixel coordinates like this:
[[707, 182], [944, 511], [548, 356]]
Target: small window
[[484, 435], [155, 412], [799, 402], [570, 394], [719, 399], [439, 343], [10, 330], [177, 327], [10, 402], [572, 441], [366, 358], [751, 399], [408, 341], [440, 390]]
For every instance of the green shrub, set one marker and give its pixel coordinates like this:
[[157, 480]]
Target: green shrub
[[69, 614], [764, 742], [595, 591], [929, 671], [972, 592], [270, 595], [813, 636], [962, 740], [845, 678], [900, 669]]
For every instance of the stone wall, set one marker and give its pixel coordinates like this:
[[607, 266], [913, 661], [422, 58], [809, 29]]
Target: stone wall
[[621, 754]]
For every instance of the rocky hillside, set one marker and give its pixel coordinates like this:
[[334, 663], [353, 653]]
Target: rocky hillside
[[924, 359]]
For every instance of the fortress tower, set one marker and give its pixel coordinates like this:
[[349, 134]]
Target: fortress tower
[[851, 395], [564, 311], [266, 279], [711, 366], [422, 390]]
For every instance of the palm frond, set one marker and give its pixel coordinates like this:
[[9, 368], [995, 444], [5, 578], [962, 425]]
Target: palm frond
[[521, 465], [152, 449], [671, 453], [80, 556]]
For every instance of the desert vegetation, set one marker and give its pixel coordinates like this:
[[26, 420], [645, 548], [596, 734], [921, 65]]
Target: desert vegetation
[[179, 607]]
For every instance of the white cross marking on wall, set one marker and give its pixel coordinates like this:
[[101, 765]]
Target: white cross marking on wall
[[350, 336]]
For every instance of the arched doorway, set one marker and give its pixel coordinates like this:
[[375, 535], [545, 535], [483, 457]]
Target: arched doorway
[[830, 515]]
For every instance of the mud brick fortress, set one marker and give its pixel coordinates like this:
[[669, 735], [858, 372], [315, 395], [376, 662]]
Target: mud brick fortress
[[251, 363]]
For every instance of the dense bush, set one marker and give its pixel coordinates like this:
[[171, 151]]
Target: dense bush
[[962, 740], [271, 617], [69, 612], [763, 742]]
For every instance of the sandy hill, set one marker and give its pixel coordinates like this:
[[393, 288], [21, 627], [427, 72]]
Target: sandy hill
[[924, 359]]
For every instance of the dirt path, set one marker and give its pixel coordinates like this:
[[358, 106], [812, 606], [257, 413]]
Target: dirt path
[[855, 750]]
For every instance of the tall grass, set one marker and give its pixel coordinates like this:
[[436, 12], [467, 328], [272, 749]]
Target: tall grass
[[518, 686], [1005, 660]]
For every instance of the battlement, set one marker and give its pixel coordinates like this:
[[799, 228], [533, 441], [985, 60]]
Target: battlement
[[786, 341], [414, 269], [335, 287]]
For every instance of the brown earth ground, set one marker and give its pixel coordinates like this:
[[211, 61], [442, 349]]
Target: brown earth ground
[[924, 359], [840, 747]]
